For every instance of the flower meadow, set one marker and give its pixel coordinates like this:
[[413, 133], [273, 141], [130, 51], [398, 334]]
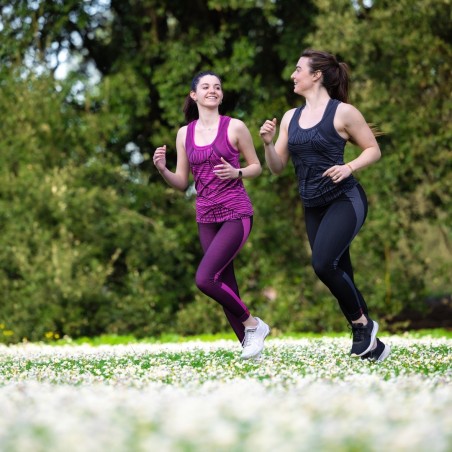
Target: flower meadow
[[302, 395]]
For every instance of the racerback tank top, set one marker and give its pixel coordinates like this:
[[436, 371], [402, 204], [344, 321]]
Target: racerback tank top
[[313, 151], [217, 200]]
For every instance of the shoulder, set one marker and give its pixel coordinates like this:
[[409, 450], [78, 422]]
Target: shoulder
[[237, 128], [349, 120], [287, 117], [182, 133], [348, 112], [237, 124]]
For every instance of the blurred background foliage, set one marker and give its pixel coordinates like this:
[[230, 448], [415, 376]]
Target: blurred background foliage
[[92, 240]]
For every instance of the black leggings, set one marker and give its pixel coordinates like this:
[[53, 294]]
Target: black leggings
[[331, 229]]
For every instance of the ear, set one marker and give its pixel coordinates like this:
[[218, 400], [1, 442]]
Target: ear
[[193, 95], [317, 75]]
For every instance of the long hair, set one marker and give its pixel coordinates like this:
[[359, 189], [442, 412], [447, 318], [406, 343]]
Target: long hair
[[335, 75], [190, 108]]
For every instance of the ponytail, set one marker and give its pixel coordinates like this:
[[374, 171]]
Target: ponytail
[[335, 75], [190, 109]]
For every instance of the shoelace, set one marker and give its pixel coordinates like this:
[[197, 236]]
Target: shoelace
[[358, 332], [249, 334]]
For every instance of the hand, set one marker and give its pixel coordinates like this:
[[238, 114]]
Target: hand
[[268, 130], [225, 170], [338, 173], [159, 158]]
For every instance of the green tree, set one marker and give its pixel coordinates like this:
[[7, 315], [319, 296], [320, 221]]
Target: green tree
[[93, 241]]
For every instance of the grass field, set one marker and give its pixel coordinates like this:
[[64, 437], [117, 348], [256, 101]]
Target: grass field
[[305, 394]]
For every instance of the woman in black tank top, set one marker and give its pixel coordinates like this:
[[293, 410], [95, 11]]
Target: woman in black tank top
[[335, 205]]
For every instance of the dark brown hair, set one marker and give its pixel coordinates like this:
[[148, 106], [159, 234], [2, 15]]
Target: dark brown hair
[[335, 75], [190, 108]]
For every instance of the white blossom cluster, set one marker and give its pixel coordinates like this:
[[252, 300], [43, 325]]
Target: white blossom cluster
[[303, 395]]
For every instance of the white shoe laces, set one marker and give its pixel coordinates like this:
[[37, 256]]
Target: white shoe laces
[[249, 336]]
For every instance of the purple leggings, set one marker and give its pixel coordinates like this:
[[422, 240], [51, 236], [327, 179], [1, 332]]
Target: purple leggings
[[215, 277]]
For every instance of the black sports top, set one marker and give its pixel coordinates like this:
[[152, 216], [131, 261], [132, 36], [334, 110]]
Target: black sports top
[[313, 151]]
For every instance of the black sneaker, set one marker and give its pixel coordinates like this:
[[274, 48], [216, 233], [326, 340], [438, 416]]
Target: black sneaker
[[363, 337], [379, 353]]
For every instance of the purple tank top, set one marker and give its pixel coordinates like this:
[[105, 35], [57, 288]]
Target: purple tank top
[[216, 200]]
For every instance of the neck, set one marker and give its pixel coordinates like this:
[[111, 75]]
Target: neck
[[317, 99], [209, 120]]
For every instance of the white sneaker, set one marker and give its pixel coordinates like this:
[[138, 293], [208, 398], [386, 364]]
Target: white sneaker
[[253, 343]]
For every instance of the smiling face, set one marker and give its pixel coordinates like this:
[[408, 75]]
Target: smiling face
[[208, 91], [302, 77]]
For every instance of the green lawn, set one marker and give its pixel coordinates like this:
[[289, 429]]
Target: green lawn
[[305, 394]]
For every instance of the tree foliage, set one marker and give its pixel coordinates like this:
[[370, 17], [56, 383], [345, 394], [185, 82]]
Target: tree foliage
[[92, 239]]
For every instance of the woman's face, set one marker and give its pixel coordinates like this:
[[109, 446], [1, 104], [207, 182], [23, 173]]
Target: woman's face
[[302, 77], [208, 91]]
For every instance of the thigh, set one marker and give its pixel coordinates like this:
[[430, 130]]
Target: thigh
[[313, 218], [226, 243], [339, 225], [207, 232]]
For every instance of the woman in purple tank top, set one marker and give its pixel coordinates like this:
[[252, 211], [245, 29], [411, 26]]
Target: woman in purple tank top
[[335, 205], [210, 146]]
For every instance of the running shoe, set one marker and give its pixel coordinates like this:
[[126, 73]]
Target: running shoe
[[363, 337], [379, 353], [253, 342]]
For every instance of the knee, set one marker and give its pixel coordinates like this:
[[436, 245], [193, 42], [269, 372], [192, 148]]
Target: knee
[[322, 267], [203, 282]]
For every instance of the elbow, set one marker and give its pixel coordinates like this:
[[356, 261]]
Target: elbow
[[275, 171], [378, 155], [255, 170], [259, 170], [183, 185]]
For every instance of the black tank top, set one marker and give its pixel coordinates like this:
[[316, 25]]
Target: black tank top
[[313, 151]]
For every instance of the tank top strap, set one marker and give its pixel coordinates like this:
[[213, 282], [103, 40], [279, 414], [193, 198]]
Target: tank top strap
[[189, 139], [224, 123], [327, 123], [295, 118], [331, 108]]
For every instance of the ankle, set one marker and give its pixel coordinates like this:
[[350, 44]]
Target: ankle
[[362, 320], [250, 322]]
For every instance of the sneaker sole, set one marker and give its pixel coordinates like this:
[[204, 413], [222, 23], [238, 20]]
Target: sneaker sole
[[372, 340], [259, 351], [256, 358], [385, 354]]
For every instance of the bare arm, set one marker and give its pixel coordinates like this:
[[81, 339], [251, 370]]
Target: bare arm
[[351, 125], [179, 178], [276, 155], [358, 131], [240, 137]]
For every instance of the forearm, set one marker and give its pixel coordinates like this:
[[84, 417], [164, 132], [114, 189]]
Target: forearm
[[174, 180], [251, 171], [273, 160], [366, 158]]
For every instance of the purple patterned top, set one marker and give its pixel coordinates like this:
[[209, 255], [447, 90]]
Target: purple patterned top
[[217, 200]]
